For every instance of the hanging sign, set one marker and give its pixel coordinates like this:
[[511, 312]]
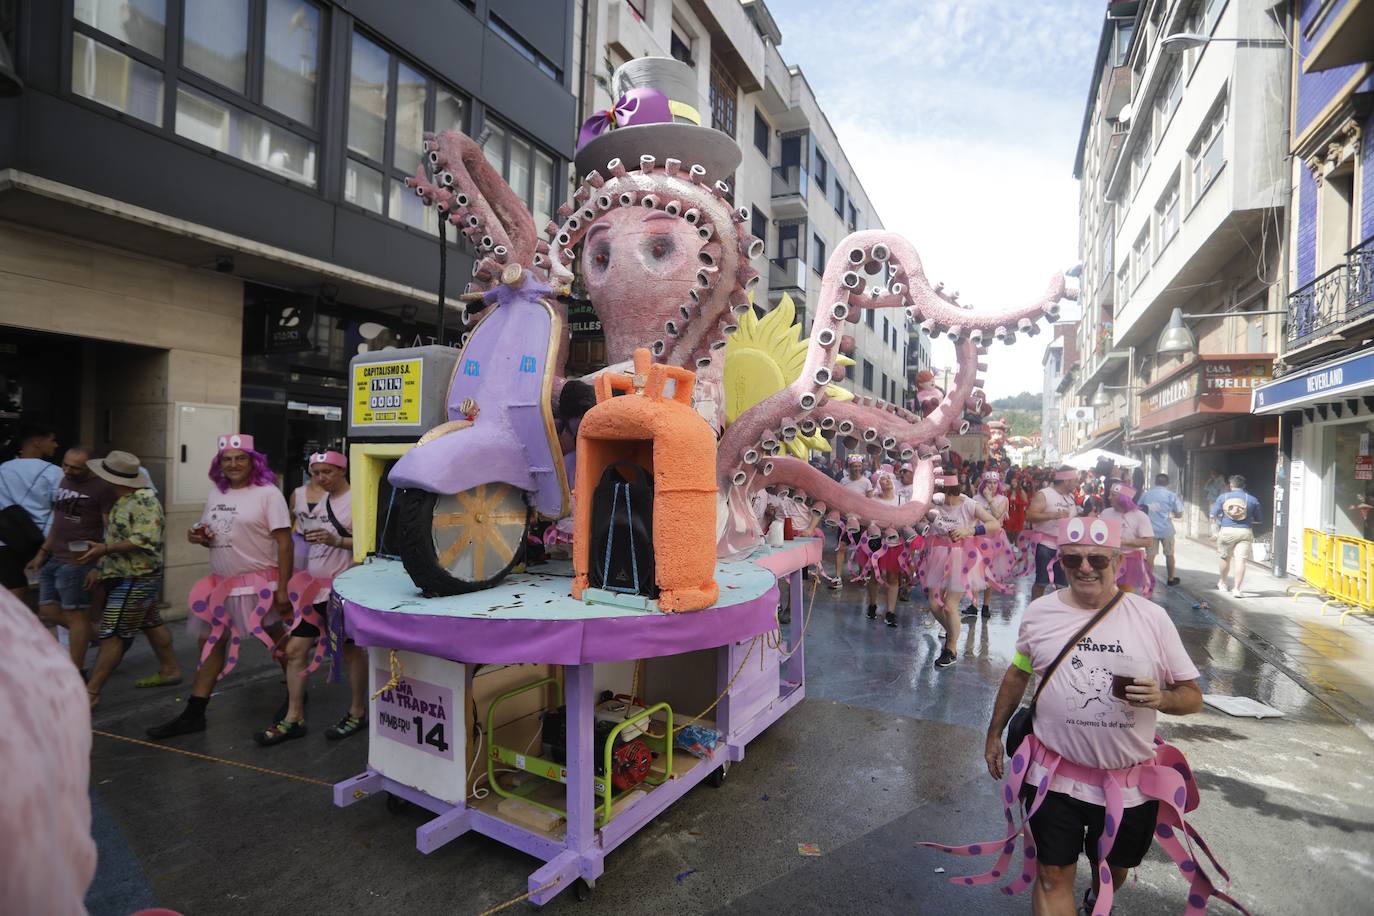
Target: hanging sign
[[1364, 467]]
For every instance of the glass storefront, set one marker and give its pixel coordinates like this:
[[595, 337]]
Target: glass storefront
[[1348, 478]]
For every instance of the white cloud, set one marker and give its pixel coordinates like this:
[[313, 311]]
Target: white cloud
[[961, 118]]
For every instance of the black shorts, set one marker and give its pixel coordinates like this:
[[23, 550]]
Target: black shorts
[[12, 573], [309, 630], [1044, 556], [1066, 828]]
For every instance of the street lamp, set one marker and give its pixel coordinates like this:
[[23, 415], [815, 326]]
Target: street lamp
[[1179, 42], [1100, 397], [1177, 340]]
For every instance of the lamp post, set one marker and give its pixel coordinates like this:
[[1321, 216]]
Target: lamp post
[[1179, 42], [1177, 340]]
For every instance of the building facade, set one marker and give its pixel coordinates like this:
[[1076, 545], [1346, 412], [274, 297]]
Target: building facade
[[1323, 395], [203, 216], [1182, 209], [803, 193]]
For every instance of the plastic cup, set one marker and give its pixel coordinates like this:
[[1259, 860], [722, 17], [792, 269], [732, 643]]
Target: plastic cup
[[78, 547], [1125, 670]]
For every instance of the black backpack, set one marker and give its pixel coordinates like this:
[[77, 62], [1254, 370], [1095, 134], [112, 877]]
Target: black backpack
[[622, 547]]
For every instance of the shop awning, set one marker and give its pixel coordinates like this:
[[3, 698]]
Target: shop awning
[[1203, 391], [1101, 441], [1344, 377]]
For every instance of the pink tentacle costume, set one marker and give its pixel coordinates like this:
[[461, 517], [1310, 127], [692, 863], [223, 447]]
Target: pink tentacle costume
[[1137, 572], [208, 599], [1164, 777], [303, 589]]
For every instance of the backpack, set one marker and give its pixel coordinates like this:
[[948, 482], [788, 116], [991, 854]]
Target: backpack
[[1236, 508], [622, 547]]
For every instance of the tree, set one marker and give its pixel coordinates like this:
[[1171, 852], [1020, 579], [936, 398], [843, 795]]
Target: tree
[[1026, 400]]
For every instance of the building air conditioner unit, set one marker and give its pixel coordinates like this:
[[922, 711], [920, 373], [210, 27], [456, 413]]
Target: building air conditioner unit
[[1078, 414]]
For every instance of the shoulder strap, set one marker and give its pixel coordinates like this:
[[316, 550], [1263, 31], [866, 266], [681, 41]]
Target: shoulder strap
[[333, 519], [1083, 631]]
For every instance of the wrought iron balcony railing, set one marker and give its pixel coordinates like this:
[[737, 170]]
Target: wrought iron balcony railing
[[1342, 295]]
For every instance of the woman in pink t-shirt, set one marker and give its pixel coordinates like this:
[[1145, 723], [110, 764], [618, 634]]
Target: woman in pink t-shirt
[[1137, 541], [952, 563], [246, 527]]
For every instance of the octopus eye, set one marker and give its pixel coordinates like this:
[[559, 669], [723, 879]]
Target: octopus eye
[[223, 443], [601, 256], [235, 442], [1075, 530], [1098, 531], [659, 248]]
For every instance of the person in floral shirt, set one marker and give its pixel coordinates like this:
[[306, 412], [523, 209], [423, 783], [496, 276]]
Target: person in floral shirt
[[130, 565]]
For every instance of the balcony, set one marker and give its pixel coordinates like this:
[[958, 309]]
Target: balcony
[[787, 275], [1334, 302], [790, 186]]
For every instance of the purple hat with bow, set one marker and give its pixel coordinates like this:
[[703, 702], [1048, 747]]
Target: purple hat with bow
[[655, 113]]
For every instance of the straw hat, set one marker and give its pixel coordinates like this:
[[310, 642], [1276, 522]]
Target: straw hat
[[122, 469]]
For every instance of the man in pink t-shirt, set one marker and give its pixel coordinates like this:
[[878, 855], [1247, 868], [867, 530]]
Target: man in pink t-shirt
[[1082, 718], [246, 526]]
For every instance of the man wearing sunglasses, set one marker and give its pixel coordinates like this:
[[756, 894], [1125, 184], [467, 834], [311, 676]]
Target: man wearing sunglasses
[[1097, 710]]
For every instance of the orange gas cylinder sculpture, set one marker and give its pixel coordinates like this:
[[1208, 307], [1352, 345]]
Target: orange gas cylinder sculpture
[[678, 447]]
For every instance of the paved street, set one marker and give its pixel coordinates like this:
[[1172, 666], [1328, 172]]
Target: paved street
[[884, 752]]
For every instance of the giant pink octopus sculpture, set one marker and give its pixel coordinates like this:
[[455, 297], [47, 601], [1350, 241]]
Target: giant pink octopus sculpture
[[666, 262]]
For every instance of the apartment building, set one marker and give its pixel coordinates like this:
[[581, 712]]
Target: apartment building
[[1182, 201], [1323, 391], [804, 195], [203, 216]]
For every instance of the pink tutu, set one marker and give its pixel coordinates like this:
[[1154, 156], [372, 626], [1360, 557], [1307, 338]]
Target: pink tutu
[[1136, 574], [953, 567], [888, 561], [998, 557]]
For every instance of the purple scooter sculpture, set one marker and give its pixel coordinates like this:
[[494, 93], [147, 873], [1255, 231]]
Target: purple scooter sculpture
[[467, 492]]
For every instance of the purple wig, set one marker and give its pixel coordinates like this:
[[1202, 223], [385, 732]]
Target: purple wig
[[1123, 493], [261, 474]]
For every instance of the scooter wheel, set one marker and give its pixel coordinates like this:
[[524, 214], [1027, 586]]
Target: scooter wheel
[[716, 778], [465, 542]]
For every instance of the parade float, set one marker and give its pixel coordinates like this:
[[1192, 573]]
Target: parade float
[[558, 707]]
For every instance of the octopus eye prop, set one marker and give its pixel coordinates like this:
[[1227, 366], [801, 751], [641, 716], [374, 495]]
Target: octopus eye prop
[[1098, 532], [1074, 531], [235, 442]]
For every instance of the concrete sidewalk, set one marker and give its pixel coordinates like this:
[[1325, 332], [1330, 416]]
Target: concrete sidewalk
[[1332, 662]]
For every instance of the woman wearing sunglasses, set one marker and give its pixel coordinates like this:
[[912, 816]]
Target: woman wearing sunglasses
[[952, 563]]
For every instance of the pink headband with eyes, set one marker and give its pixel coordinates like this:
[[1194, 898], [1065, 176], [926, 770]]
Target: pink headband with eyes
[[948, 480], [991, 477], [235, 440], [329, 457], [1090, 532], [1124, 489]]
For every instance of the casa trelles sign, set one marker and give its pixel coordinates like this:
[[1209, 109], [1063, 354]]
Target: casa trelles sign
[[1200, 390]]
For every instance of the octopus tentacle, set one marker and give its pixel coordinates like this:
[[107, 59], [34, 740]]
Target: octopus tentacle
[[471, 195], [830, 497]]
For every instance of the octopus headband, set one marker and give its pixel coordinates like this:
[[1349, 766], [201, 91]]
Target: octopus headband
[[241, 441], [329, 457], [1090, 532]]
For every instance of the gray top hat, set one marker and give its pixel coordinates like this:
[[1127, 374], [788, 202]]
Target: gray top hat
[[682, 139]]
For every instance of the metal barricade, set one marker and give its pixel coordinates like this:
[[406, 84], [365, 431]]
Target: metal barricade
[[1350, 576], [1316, 559]]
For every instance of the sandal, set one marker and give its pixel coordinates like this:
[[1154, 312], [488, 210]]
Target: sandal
[[282, 731], [346, 727], [157, 680]]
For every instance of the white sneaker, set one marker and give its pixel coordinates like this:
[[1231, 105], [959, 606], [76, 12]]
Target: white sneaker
[[1241, 594], [1222, 586]]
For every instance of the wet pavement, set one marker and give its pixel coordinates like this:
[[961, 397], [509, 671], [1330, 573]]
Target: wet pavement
[[885, 751]]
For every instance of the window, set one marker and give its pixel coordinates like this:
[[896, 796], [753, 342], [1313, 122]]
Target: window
[[636, 7], [1211, 12], [838, 199], [887, 389], [1345, 444], [680, 47], [527, 169], [758, 226], [1208, 152], [1123, 284], [523, 47], [1167, 215], [817, 253], [868, 318], [820, 169], [789, 240], [1166, 103], [762, 134], [853, 218], [1123, 41], [724, 97], [868, 369], [231, 93], [887, 329], [1140, 257], [389, 97]]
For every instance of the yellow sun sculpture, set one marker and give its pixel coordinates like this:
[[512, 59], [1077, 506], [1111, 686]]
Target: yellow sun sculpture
[[765, 356]]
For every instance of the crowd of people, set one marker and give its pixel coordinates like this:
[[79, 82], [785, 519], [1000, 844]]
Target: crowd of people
[[88, 537], [994, 523]]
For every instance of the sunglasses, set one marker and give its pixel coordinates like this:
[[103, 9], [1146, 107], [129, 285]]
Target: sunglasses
[[1097, 561]]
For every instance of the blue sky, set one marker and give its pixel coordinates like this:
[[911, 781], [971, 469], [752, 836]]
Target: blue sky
[[961, 118]]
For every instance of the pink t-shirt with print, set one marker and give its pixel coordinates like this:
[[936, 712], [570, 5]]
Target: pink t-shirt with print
[[1134, 526], [242, 521], [326, 561], [1076, 715]]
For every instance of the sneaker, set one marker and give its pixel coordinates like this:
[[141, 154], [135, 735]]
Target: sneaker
[[890, 618], [872, 612], [970, 612], [1242, 594], [1174, 581], [181, 725], [986, 612], [946, 659], [1222, 586], [833, 582]]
